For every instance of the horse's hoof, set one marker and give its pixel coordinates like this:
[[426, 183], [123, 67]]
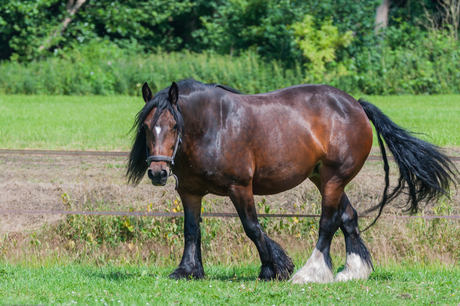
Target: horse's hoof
[[281, 266], [316, 270], [183, 273], [355, 268], [308, 275], [268, 272]]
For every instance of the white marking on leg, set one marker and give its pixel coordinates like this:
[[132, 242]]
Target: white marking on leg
[[355, 268], [315, 270], [158, 130]]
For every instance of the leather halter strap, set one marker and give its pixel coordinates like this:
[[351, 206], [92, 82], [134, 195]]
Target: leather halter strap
[[157, 158], [168, 159]]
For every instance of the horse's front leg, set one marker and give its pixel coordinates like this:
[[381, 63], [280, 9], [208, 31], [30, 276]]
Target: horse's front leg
[[275, 263], [191, 265]]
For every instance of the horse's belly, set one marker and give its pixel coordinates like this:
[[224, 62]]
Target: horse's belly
[[273, 186], [276, 182]]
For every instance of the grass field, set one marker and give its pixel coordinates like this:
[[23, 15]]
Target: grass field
[[103, 123], [237, 285], [67, 122]]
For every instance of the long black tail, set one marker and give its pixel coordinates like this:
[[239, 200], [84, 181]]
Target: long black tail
[[424, 171]]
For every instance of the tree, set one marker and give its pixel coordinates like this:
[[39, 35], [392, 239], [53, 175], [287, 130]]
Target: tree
[[381, 18], [72, 8]]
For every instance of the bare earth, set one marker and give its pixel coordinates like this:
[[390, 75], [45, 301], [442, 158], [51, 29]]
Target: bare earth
[[34, 182]]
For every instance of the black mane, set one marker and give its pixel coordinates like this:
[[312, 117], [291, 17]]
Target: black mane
[[228, 88], [136, 162]]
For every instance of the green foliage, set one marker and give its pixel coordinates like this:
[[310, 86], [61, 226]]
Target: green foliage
[[428, 65], [28, 30], [113, 230], [25, 26], [108, 44], [261, 26], [319, 45], [110, 231], [357, 16], [409, 61], [24, 23], [264, 25], [110, 47], [104, 69]]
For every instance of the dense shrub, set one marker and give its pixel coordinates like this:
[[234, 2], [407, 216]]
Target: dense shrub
[[34, 29], [107, 71], [405, 61], [409, 61]]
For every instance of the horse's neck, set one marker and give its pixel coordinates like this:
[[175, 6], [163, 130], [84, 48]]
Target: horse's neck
[[195, 104]]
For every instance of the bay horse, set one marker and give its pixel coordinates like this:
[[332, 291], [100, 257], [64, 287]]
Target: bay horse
[[219, 141]]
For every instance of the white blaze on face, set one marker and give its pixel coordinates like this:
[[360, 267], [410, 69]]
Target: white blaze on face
[[158, 130]]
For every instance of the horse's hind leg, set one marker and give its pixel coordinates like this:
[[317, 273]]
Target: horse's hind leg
[[318, 268], [275, 263], [359, 263], [191, 265]]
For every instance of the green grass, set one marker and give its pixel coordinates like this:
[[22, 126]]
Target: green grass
[[67, 122], [437, 116], [127, 285], [102, 123]]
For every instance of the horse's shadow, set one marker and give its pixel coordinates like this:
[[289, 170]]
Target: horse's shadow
[[120, 276], [226, 278], [214, 275], [375, 276], [381, 276]]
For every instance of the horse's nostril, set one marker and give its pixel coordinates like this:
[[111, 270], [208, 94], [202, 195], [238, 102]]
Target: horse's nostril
[[150, 174], [164, 174]]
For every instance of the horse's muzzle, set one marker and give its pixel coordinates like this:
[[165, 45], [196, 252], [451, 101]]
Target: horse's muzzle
[[158, 178]]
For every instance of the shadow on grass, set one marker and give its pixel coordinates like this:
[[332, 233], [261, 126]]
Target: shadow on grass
[[234, 278], [381, 276], [121, 276], [235, 273], [375, 275]]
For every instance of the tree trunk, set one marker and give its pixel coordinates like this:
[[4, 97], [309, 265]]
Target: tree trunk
[[72, 8], [381, 19]]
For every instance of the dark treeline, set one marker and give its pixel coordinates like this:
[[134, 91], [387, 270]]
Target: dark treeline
[[332, 41], [31, 29]]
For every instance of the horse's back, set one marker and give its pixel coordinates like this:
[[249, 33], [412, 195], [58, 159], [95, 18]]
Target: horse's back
[[325, 115]]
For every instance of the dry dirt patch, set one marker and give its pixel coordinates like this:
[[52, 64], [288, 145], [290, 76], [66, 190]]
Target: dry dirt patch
[[32, 182]]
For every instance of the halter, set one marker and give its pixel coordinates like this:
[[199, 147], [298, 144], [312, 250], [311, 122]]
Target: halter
[[170, 160]]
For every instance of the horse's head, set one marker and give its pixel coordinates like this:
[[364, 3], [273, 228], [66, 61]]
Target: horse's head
[[159, 126], [162, 137]]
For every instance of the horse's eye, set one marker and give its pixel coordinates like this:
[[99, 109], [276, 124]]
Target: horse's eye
[[175, 127], [145, 126]]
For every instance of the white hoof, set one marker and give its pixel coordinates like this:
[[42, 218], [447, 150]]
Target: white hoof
[[355, 268], [315, 270]]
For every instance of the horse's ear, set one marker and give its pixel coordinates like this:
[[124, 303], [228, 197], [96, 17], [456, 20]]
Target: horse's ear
[[146, 93], [173, 93]]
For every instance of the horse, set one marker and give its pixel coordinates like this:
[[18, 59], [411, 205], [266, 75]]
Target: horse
[[217, 140]]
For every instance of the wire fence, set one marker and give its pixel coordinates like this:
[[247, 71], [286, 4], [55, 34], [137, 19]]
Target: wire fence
[[204, 214], [126, 154]]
